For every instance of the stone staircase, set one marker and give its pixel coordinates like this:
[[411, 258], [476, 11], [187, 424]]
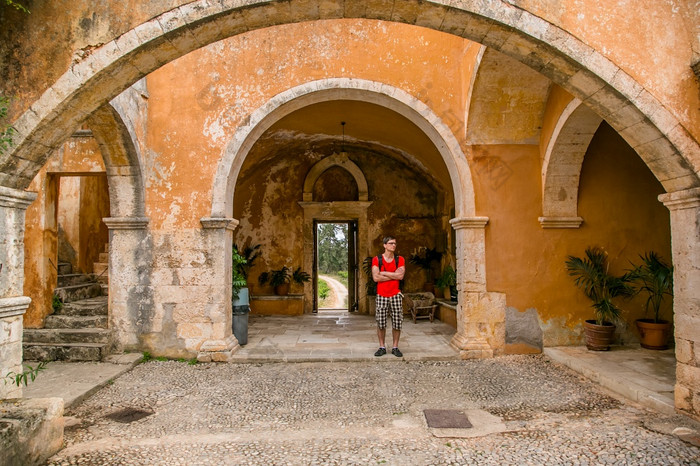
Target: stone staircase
[[78, 331]]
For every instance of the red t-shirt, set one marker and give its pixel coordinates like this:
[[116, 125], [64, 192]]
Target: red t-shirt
[[390, 288]]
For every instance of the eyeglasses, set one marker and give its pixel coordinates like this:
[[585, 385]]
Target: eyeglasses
[[392, 242]]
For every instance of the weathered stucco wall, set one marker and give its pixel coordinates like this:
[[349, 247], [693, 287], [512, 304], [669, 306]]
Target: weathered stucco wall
[[403, 205]]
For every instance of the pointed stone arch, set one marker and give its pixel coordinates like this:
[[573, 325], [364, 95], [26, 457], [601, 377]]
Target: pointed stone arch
[[561, 167], [335, 160]]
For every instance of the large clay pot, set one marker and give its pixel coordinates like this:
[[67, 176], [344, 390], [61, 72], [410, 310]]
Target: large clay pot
[[654, 335], [282, 290], [447, 293], [598, 337]]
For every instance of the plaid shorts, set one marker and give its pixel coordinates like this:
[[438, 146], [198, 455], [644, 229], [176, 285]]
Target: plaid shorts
[[393, 305]]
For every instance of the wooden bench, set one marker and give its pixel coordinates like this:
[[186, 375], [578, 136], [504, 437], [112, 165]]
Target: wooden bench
[[420, 305]]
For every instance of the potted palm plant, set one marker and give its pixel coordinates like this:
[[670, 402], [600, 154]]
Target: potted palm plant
[[279, 279], [447, 281], [653, 277], [300, 277], [591, 275]]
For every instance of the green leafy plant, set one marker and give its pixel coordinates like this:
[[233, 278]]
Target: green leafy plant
[[56, 304], [280, 276], [238, 277], [250, 254], [300, 277], [17, 6], [447, 279], [654, 277], [276, 277], [591, 275], [28, 375], [323, 289]]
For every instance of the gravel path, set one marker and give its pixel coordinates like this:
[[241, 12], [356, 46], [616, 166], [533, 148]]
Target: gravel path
[[338, 291], [364, 413]]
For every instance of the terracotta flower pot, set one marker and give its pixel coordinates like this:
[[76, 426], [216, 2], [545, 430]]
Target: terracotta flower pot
[[654, 335], [447, 293], [282, 290], [598, 337]]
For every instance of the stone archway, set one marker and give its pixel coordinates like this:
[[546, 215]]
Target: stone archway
[[561, 167], [576, 67], [481, 314]]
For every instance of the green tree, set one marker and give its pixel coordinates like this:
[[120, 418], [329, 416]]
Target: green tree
[[332, 247]]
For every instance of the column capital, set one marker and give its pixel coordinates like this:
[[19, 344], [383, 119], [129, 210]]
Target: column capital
[[15, 306], [16, 198], [212, 223], [679, 200], [126, 223], [469, 222]]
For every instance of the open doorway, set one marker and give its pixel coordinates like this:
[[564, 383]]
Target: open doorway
[[335, 266]]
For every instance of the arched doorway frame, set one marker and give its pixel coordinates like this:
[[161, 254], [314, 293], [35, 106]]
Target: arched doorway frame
[[477, 305]]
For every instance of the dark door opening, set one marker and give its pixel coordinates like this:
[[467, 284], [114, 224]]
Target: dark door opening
[[335, 265]]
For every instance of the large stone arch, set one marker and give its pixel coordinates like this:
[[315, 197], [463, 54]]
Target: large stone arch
[[561, 167], [480, 314], [313, 92], [126, 190], [654, 132]]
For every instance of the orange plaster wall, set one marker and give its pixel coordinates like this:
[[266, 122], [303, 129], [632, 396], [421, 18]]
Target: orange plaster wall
[[197, 102], [653, 41], [617, 201]]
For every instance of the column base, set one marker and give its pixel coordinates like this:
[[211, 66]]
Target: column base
[[218, 350], [471, 347]]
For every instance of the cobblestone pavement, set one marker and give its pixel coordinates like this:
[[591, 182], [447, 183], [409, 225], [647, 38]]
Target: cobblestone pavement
[[365, 413]]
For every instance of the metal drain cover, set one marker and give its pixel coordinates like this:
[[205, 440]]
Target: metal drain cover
[[446, 419], [128, 415]]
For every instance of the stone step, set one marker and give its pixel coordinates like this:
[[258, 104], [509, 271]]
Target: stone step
[[100, 268], [104, 257], [73, 335], [68, 294], [62, 321], [64, 351], [86, 307], [74, 279], [65, 268]]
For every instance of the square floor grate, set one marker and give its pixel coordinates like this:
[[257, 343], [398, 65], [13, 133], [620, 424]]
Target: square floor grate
[[446, 419]]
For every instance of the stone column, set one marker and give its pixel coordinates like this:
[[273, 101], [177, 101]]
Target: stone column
[[685, 242], [13, 205], [130, 290], [480, 314], [221, 343]]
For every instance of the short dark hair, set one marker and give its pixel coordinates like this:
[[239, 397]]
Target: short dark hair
[[387, 239]]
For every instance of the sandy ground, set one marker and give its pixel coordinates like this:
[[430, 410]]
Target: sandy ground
[[338, 291]]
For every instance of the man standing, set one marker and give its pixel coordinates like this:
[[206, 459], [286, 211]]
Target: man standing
[[387, 274]]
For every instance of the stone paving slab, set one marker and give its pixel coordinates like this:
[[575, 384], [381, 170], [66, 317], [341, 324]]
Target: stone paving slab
[[339, 336], [75, 381], [644, 376]]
